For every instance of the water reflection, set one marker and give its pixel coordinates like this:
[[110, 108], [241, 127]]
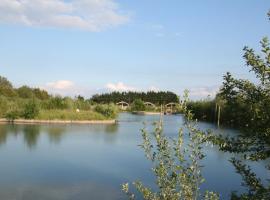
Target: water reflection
[[31, 135], [55, 133], [6, 130], [97, 155]]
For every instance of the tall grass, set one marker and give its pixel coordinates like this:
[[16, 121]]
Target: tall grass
[[69, 115]]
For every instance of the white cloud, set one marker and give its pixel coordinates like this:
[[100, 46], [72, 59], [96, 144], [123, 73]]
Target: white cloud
[[66, 88], [91, 15], [120, 87], [60, 85], [203, 92]]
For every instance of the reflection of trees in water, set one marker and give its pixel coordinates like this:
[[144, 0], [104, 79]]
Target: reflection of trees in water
[[31, 134], [8, 129], [3, 134], [112, 128], [111, 131], [55, 133]]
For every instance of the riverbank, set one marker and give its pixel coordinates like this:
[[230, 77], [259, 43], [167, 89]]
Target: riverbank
[[34, 121]]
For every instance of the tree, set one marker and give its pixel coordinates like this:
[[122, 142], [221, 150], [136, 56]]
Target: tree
[[138, 105], [248, 104], [41, 94], [25, 92], [6, 88], [31, 110], [177, 169]]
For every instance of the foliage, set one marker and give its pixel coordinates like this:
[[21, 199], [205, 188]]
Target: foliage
[[40, 94], [25, 92], [138, 105], [56, 102], [247, 105], [108, 110], [203, 110], [151, 96], [30, 110], [69, 115], [6, 88], [177, 169]]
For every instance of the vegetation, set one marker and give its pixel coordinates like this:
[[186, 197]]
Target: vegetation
[[138, 105], [69, 115], [177, 169], [157, 98], [108, 110], [245, 105], [33, 103], [203, 110]]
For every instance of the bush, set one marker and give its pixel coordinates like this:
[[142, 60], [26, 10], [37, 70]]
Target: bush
[[12, 114], [176, 168], [69, 115], [108, 110], [31, 110], [138, 105], [25, 92], [56, 102], [203, 110]]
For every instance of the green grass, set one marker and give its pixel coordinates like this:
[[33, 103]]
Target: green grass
[[69, 115]]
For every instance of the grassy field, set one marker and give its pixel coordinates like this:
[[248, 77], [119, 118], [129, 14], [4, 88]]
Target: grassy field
[[69, 115]]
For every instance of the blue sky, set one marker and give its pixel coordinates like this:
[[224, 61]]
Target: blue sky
[[87, 46]]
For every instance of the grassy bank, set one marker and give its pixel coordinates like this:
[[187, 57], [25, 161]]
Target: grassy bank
[[70, 115]]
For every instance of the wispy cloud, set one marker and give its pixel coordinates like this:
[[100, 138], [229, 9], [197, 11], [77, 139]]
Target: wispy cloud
[[203, 92], [120, 87], [90, 15], [67, 88], [60, 85]]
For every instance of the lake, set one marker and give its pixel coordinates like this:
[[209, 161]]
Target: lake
[[60, 162]]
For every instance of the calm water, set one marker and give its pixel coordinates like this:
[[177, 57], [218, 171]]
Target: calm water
[[92, 161]]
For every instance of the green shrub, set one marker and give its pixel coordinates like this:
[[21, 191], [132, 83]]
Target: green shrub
[[69, 115], [57, 102], [25, 92], [12, 115], [138, 105], [176, 168], [108, 110], [30, 110]]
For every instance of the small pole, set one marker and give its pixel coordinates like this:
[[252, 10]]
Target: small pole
[[160, 118], [218, 116], [215, 114]]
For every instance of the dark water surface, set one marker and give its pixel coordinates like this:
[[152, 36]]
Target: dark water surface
[[60, 162]]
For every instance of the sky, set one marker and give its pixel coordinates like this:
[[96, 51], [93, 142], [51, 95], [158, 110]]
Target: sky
[[73, 47]]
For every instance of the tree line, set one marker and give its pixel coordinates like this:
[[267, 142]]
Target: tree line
[[157, 98]]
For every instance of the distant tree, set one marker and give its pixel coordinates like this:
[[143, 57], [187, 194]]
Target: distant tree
[[30, 110], [6, 88], [151, 96], [80, 98], [4, 82], [25, 92], [138, 105], [41, 94]]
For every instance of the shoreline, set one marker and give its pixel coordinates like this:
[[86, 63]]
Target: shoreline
[[34, 121]]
